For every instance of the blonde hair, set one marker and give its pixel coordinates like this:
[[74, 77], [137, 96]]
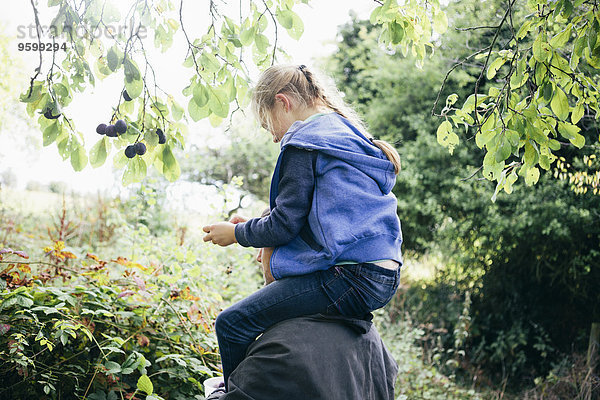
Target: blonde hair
[[308, 90]]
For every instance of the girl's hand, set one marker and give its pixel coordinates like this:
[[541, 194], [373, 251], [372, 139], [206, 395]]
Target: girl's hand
[[221, 233], [236, 219]]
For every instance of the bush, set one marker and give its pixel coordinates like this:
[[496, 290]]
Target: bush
[[134, 321], [418, 378]]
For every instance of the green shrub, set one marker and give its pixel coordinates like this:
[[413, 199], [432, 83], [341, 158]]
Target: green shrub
[[135, 321]]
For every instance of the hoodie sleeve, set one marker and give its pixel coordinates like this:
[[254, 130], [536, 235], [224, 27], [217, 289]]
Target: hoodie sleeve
[[292, 204]]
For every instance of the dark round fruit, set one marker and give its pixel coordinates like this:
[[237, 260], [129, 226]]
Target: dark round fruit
[[140, 148], [126, 96], [111, 131], [161, 136], [48, 114], [130, 151], [121, 126], [101, 129]]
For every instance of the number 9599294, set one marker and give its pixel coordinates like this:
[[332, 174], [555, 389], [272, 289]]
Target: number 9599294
[[35, 46]]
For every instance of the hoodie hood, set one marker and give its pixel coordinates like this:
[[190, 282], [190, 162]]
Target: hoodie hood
[[335, 136]]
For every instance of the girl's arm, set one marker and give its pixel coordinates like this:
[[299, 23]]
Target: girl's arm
[[292, 204]]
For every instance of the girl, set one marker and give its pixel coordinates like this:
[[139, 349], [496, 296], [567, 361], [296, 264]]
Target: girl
[[333, 219]]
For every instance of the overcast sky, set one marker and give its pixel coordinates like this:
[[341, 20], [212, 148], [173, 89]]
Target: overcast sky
[[321, 20]]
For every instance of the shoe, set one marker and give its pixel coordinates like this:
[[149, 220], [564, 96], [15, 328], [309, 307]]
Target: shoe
[[212, 385], [216, 394]]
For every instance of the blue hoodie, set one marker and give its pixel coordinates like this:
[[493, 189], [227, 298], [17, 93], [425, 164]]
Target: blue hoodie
[[353, 213]]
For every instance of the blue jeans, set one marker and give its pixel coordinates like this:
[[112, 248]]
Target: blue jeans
[[352, 290]]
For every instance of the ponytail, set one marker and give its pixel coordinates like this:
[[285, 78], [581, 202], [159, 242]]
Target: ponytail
[[306, 88], [390, 152]]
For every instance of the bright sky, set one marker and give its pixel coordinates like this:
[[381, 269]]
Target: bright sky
[[321, 20]]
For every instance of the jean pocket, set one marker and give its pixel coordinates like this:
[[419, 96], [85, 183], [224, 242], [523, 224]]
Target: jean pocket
[[376, 290], [350, 304]]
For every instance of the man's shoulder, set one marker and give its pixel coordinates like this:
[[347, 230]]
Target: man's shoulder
[[316, 357]]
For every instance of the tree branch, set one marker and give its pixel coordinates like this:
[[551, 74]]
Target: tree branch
[[38, 27]]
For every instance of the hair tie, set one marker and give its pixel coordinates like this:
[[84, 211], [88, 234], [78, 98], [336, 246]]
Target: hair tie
[[372, 139], [302, 67]]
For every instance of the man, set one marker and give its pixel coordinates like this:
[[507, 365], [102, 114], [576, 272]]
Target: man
[[313, 357]]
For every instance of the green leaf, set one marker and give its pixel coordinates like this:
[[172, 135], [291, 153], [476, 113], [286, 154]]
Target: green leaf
[[151, 138], [440, 21], [492, 169], [114, 58], [135, 170], [396, 32], [510, 180], [51, 133], [524, 29], [200, 94], [297, 28], [499, 185], [132, 72], [487, 132], [519, 76], [577, 113], [134, 87], [31, 95], [532, 175], [374, 18], [504, 149], [99, 152], [513, 137], [494, 67], [285, 18], [229, 88], [446, 137], [544, 162], [112, 367], [96, 48], [560, 104], [261, 42], [198, 113], [209, 62], [79, 158], [554, 144], [537, 134], [171, 169], [541, 49], [219, 103], [530, 156], [64, 148], [571, 132], [177, 111], [561, 38], [247, 36]]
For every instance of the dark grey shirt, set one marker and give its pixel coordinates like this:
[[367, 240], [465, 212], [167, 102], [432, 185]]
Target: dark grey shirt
[[316, 357]]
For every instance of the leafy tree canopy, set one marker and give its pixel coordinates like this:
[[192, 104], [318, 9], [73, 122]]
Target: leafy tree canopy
[[541, 75]]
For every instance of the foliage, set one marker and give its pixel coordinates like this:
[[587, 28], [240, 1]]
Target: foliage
[[570, 379], [541, 80], [418, 378], [137, 322], [532, 63], [246, 153], [529, 260], [219, 67], [538, 290]]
